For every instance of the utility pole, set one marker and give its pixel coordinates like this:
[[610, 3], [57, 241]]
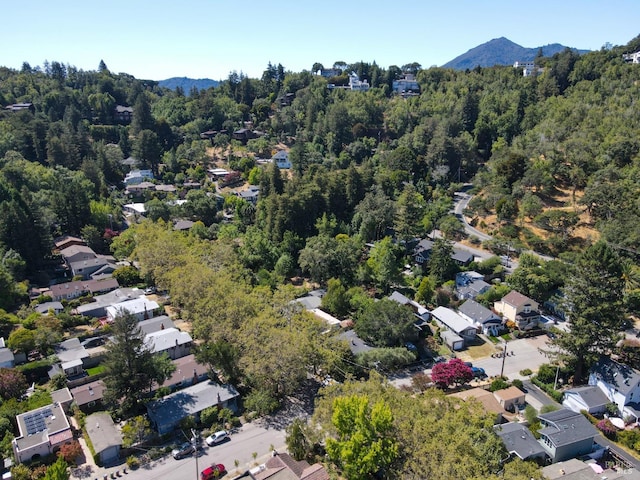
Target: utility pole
[[504, 356], [194, 441]]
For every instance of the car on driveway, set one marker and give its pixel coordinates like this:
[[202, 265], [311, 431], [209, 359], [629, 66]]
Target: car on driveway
[[183, 450], [216, 438]]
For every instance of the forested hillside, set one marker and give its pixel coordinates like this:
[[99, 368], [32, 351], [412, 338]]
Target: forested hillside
[[554, 161]]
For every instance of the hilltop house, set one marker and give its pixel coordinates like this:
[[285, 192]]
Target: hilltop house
[[123, 114], [519, 309], [135, 177], [281, 159]]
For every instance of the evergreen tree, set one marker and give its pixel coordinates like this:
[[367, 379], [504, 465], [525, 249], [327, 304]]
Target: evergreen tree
[[130, 365], [593, 304]]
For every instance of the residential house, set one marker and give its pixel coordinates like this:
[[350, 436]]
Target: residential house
[[470, 285], [135, 210], [171, 341], [356, 84], [7, 359], [282, 466], [142, 308], [518, 440], [73, 359], [588, 398], [620, 384], [63, 398], [88, 397], [156, 324], [250, 194], [66, 241], [480, 317], [105, 437], [406, 85], [356, 344], [462, 257], [102, 264], [510, 398], [42, 432], [97, 308], [77, 253], [139, 188], [218, 173], [16, 107], [488, 401], [422, 251], [165, 414], [281, 159], [46, 307], [71, 290], [312, 300], [631, 57], [519, 309], [420, 312], [123, 114], [455, 323], [183, 225], [529, 68], [575, 469], [566, 434], [188, 372], [135, 177], [244, 135]]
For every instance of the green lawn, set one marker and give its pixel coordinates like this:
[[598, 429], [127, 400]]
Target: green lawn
[[95, 370]]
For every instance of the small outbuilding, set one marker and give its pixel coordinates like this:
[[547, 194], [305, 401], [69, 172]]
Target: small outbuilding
[[105, 437]]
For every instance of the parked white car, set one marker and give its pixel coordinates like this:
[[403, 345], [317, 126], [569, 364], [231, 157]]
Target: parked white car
[[216, 438]]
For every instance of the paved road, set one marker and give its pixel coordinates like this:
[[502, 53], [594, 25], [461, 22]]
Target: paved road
[[250, 439]]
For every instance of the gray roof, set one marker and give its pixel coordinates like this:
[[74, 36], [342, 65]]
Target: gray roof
[[564, 427], [477, 312], [518, 439], [309, 302], [462, 256], [622, 377], [70, 350], [102, 432], [89, 392], [163, 340], [451, 320], [111, 298], [62, 395], [189, 401], [46, 306], [591, 396], [156, 324], [37, 426], [6, 356], [356, 344]]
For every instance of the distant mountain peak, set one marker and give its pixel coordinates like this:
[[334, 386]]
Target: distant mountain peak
[[502, 51], [187, 84]]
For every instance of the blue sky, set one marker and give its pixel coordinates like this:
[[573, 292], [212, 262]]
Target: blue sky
[[209, 38]]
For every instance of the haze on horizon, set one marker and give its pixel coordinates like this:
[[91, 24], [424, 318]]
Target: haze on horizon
[[204, 39]]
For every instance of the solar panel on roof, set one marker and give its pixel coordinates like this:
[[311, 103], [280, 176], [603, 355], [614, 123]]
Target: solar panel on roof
[[36, 422]]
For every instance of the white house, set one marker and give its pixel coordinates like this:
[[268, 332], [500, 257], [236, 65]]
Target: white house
[[480, 316], [173, 342], [135, 177], [470, 284], [589, 398], [620, 384], [142, 308], [281, 159], [356, 84], [454, 322], [42, 432]]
